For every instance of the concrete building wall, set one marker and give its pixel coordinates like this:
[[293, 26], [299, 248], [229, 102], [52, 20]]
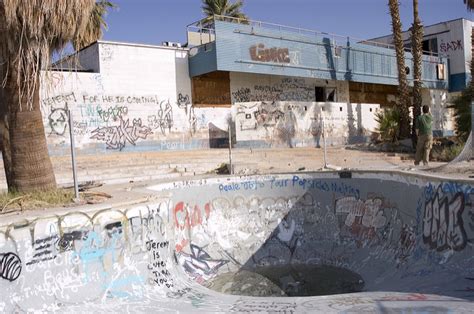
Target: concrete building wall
[[246, 87], [140, 100], [301, 123], [468, 27], [88, 58], [443, 119], [453, 41], [260, 48]]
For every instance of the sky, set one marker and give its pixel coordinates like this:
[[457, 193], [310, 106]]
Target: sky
[[155, 21]]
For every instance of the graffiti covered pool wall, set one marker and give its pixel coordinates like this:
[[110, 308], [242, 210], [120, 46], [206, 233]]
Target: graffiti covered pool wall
[[408, 235]]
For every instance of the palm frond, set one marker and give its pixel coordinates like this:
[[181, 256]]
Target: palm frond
[[224, 8], [96, 23], [32, 30], [469, 4], [462, 112]]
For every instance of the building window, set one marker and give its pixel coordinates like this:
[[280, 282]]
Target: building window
[[430, 45], [325, 94], [331, 94], [440, 72], [320, 94]]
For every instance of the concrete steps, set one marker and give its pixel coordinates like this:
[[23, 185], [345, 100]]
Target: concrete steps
[[126, 167]]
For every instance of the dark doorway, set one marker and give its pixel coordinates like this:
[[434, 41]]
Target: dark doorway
[[320, 94]]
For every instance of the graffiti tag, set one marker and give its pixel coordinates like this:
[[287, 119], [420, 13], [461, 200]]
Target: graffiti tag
[[443, 226]]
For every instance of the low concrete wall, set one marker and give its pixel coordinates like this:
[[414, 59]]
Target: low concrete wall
[[402, 233]]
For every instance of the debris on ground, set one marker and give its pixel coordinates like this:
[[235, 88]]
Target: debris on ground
[[89, 185], [91, 197], [223, 169]]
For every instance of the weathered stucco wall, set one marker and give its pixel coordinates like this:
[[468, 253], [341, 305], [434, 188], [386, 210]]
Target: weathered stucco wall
[[247, 87], [451, 39], [443, 117], [141, 100], [406, 234], [300, 123]]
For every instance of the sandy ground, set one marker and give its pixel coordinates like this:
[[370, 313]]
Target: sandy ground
[[123, 167]]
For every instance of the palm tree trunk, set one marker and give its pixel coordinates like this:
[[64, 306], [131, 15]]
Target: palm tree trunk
[[403, 91], [4, 129], [472, 58], [29, 167], [470, 7], [5, 139], [417, 51]]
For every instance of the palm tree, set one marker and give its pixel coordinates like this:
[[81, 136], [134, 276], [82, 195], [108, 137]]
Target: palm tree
[[96, 23], [224, 8], [470, 7], [403, 91], [417, 51], [30, 31]]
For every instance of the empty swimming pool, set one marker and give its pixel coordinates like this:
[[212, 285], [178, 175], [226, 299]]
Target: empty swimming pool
[[305, 242]]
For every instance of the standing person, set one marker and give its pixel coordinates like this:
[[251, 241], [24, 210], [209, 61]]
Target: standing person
[[425, 136]]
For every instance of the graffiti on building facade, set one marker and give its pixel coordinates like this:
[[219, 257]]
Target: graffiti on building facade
[[58, 120], [262, 54], [59, 100], [270, 121], [184, 103], [252, 117], [116, 137], [287, 89], [164, 119], [112, 113], [114, 119], [452, 45]]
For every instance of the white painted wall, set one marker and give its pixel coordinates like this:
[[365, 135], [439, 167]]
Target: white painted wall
[[266, 105], [454, 41], [277, 122], [438, 101], [467, 26], [141, 99]]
